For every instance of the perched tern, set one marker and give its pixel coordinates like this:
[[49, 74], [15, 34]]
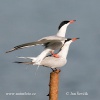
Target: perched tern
[[51, 61]]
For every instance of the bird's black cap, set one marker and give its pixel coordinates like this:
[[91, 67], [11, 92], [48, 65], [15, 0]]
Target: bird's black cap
[[63, 23]]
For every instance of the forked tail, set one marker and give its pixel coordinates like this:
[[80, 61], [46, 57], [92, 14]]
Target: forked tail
[[28, 63], [34, 60]]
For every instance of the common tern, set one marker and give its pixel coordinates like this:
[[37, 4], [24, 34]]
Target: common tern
[[51, 61], [49, 41]]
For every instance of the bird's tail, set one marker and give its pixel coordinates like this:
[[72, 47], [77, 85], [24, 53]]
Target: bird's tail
[[37, 60], [34, 60], [28, 63]]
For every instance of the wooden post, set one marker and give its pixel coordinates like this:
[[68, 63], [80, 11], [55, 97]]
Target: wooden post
[[53, 85]]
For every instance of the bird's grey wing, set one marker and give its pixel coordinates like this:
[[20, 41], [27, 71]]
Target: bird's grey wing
[[27, 45], [53, 40], [42, 41]]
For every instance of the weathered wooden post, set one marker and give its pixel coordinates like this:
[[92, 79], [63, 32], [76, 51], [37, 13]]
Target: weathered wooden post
[[54, 85]]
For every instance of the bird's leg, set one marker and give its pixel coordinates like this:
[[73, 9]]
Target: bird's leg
[[52, 69], [54, 55]]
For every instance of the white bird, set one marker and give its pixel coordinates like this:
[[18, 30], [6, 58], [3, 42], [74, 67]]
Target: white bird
[[47, 41], [51, 43], [51, 61]]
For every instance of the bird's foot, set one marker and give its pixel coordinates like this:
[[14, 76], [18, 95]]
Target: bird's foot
[[55, 55]]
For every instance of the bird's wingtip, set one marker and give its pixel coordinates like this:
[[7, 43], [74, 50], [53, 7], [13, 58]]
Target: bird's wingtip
[[10, 50]]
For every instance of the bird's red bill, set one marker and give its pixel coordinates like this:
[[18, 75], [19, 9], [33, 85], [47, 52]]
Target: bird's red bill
[[72, 21]]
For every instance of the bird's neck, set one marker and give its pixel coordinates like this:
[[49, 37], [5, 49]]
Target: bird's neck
[[62, 30], [64, 51]]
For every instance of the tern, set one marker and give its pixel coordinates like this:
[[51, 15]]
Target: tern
[[51, 43], [47, 40], [52, 62]]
